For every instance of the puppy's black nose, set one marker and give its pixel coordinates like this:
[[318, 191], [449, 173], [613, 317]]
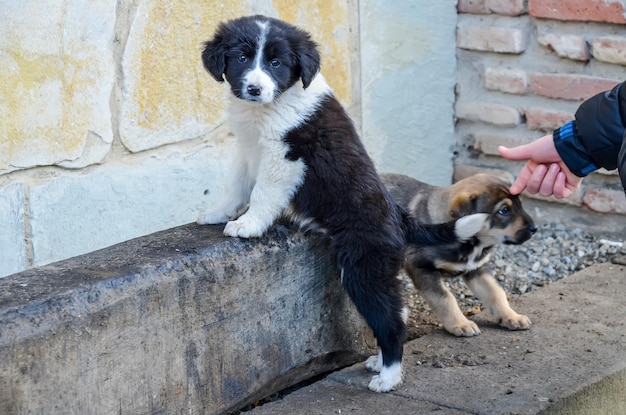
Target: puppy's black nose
[[532, 228], [254, 90]]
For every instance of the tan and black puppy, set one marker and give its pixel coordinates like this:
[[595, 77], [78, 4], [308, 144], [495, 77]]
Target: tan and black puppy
[[429, 265]]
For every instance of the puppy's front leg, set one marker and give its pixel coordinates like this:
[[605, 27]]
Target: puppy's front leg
[[442, 301], [236, 194], [487, 289], [277, 181]]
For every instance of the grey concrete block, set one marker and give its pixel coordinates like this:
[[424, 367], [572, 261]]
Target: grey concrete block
[[76, 214], [181, 321], [12, 240], [330, 397]]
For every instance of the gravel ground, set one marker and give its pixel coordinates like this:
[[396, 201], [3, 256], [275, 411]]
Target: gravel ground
[[554, 252]]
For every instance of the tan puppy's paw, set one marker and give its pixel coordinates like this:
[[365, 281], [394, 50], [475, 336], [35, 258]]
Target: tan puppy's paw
[[463, 328], [516, 322]]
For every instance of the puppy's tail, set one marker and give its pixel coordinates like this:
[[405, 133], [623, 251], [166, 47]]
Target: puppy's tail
[[460, 230]]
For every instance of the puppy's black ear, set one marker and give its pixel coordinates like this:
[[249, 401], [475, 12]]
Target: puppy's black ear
[[463, 204], [308, 59], [214, 57]]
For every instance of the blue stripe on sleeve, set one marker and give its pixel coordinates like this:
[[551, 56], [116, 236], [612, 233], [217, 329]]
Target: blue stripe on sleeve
[[588, 169], [567, 130]]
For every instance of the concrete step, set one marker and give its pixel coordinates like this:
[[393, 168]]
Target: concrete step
[[571, 361]]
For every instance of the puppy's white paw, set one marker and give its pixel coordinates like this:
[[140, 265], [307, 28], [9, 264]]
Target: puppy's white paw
[[465, 328], [211, 217], [516, 322], [388, 379], [245, 227], [374, 363], [470, 225]]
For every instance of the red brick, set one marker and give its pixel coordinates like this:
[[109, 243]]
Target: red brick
[[492, 39], [610, 11], [545, 120], [512, 81], [473, 6], [489, 143], [571, 87], [566, 46], [488, 112], [611, 49], [507, 7], [605, 201], [503, 7], [575, 199], [461, 171]]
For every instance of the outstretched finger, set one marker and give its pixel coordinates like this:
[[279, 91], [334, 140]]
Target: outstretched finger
[[523, 152]]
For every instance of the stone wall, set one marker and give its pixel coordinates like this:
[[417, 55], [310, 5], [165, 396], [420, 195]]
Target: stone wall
[[523, 69], [111, 129]]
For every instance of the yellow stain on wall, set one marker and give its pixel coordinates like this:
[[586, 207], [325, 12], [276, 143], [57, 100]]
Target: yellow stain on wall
[[174, 86], [327, 22], [45, 120]]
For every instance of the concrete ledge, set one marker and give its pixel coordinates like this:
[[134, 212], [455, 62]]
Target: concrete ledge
[[571, 361], [181, 321]]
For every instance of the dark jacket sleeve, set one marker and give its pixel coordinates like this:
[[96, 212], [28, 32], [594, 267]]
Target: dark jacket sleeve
[[595, 139]]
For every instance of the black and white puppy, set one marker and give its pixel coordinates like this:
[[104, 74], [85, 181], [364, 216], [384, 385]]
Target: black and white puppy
[[299, 155]]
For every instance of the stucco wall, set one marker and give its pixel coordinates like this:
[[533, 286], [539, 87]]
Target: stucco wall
[[407, 86], [111, 129]]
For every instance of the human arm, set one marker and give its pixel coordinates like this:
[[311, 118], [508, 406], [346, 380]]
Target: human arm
[[557, 162], [594, 139], [545, 172]]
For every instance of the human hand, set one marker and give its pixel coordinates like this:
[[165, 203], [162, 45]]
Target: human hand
[[544, 173]]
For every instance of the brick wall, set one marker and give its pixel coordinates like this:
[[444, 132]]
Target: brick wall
[[523, 69]]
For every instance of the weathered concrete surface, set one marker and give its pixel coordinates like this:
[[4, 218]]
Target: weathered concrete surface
[[181, 321], [13, 257], [574, 351]]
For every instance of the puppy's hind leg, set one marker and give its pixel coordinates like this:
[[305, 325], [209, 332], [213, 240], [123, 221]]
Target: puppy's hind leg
[[379, 300], [487, 289]]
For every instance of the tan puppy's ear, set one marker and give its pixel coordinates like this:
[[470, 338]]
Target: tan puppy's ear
[[463, 204]]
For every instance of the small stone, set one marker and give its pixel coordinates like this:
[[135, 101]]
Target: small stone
[[549, 271]]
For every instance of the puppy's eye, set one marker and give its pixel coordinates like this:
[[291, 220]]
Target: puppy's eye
[[242, 58], [275, 63], [504, 210]]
